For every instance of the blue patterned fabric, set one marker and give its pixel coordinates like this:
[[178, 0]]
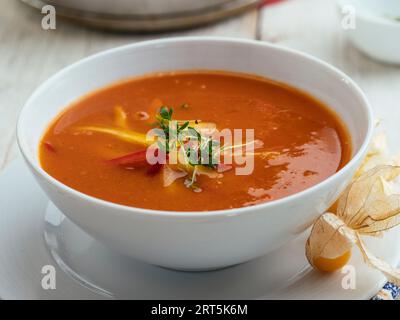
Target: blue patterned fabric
[[388, 292]]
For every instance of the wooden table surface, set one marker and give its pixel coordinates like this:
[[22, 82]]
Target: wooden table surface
[[29, 54]]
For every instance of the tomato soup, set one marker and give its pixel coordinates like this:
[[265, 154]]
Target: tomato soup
[[98, 144]]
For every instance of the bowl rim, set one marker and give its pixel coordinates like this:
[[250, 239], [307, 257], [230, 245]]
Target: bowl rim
[[23, 146], [367, 16]]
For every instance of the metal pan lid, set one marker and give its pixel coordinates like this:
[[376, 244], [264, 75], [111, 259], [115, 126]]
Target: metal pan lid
[[145, 15]]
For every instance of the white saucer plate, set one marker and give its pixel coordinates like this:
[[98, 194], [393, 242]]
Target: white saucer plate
[[34, 234]]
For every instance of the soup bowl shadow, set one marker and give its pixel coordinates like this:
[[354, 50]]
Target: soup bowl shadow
[[196, 240]]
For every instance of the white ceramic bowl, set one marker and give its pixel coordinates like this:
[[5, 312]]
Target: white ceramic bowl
[[196, 240], [376, 33]]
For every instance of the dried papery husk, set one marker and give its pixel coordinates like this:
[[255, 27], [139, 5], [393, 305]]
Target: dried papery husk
[[376, 211], [391, 274], [368, 206], [328, 239], [377, 155]]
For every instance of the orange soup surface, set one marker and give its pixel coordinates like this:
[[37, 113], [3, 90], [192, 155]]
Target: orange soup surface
[[96, 145]]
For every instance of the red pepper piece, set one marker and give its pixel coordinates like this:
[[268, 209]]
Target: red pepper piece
[[154, 169], [138, 158]]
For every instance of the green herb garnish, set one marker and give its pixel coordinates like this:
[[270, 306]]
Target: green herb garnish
[[186, 135], [198, 150]]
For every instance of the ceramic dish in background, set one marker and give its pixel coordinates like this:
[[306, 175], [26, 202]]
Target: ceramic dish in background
[[377, 31], [145, 15], [196, 240]]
